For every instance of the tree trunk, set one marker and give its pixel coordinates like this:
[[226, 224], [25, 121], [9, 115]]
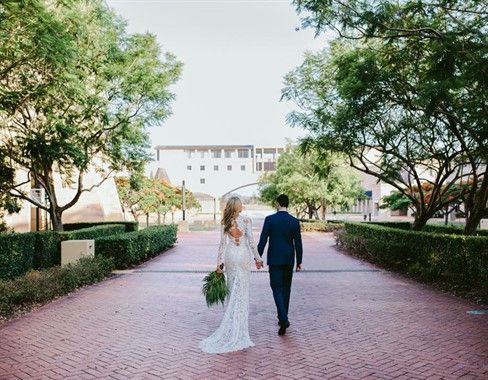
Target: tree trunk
[[56, 218], [478, 207], [324, 208], [311, 210], [147, 219], [164, 218], [172, 218], [420, 221], [159, 218]]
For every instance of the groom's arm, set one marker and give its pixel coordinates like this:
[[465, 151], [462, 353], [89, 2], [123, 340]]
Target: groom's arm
[[263, 239], [298, 244]]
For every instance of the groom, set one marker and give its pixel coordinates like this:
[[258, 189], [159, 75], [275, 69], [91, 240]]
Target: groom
[[283, 232]]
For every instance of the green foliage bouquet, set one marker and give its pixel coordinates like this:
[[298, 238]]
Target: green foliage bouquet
[[215, 288]]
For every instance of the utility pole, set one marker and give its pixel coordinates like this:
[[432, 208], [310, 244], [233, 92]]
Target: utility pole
[[183, 205]]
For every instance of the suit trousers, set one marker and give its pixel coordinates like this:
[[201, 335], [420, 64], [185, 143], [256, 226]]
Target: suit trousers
[[280, 277]]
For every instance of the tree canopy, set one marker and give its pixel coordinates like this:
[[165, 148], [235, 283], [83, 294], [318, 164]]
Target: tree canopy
[[78, 92], [311, 182], [403, 93]]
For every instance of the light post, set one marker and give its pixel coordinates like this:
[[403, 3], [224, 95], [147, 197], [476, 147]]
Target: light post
[[183, 201]]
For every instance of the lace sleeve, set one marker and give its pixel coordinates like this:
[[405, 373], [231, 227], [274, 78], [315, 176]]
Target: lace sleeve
[[223, 241], [250, 239]]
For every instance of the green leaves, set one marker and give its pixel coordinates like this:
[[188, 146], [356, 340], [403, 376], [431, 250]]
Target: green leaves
[[77, 91], [405, 93], [310, 179], [214, 288]]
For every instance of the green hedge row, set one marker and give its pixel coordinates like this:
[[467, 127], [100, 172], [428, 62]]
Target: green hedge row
[[455, 259], [435, 228], [129, 226], [133, 247], [38, 287], [308, 225], [21, 252]]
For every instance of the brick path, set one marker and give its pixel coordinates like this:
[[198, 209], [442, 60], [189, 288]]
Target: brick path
[[349, 321]]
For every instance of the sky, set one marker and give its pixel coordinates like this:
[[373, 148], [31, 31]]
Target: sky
[[235, 54]]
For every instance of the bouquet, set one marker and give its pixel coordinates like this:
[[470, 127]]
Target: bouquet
[[214, 287]]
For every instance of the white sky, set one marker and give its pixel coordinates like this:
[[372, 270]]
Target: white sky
[[235, 53]]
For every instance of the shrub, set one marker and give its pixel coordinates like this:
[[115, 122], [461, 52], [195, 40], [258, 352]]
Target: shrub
[[133, 247], [37, 287], [435, 228], [129, 226], [16, 255], [455, 259], [308, 225], [21, 252], [47, 251]]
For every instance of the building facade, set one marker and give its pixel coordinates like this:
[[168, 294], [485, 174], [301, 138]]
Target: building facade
[[215, 170]]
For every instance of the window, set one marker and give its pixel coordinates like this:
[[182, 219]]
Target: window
[[243, 167], [202, 154], [259, 166], [216, 167], [269, 166], [189, 153], [188, 167], [216, 153], [243, 153], [228, 154], [229, 167], [157, 154], [202, 180], [202, 167]]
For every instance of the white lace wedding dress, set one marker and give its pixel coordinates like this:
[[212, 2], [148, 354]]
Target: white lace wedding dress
[[233, 332]]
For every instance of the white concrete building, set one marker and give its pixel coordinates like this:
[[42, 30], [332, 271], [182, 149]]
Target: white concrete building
[[213, 169]]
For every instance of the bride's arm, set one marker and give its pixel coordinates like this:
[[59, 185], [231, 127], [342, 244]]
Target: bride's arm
[[223, 241], [250, 239]]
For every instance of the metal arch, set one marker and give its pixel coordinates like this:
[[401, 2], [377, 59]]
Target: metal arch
[[240, 187]]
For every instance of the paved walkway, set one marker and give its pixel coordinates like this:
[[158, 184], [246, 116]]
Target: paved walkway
[[349, 321]]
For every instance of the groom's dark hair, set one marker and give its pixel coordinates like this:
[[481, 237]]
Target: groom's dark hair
[[283, 200]]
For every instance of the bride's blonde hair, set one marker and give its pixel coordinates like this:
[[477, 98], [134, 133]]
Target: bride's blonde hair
[[229, 212]]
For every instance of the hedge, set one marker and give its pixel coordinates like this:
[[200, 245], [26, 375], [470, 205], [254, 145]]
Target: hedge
[[435, 228], [320, 225], [455, 259], [129, 226], [38, 287], [21, 252], [133, 247], [16, 255]]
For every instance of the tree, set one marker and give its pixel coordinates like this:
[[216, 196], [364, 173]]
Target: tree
[[151, 196], [408, 83], [311, 182], [94, 110]]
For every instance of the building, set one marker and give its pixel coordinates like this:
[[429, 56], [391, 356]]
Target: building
[[215, 170]]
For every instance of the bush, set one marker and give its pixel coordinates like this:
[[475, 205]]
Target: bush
[[129, 226], [308, 225], [455, 259], [134, 247], [16, 255], [22, 252], [435, 228], [38, 287]]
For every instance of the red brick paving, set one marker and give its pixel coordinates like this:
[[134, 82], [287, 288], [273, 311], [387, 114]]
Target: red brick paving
[[349, 321]]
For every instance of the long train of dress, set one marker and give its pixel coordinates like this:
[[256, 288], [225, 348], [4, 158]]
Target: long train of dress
[[233, 332]]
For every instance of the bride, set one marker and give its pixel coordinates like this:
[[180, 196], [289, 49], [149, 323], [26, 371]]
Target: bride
[[236, 250]]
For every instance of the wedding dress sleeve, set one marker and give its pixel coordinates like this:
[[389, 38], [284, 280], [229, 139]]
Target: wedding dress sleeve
[[223, 241], [250, 239]]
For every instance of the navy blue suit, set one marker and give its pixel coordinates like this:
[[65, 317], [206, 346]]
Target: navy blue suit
[[285, 241]]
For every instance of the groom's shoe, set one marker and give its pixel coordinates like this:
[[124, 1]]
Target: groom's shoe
[[283, 327]]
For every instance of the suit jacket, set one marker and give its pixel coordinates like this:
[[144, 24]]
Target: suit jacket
[[283, 232]]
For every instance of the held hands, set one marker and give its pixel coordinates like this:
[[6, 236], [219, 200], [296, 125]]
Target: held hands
[[259, 264]]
